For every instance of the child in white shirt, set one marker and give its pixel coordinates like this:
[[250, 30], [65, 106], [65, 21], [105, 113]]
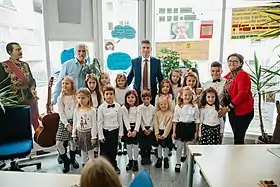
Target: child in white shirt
[[84, 125]]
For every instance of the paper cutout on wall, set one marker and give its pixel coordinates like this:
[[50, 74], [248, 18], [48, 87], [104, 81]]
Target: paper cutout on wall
[[118, 61], [123, 32], [68, 54], [191, 50], [181, 30], [109, 45], [206, 29]]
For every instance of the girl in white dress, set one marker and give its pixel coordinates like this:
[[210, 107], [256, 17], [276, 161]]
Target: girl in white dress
[[84, 125], [212, 127], [92, 84], [175, 78], [104, 80], [120, 91], [185, 122], [66, 106]]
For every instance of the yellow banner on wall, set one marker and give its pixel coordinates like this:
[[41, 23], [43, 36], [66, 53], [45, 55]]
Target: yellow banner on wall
[[191, 50], [254, 22]]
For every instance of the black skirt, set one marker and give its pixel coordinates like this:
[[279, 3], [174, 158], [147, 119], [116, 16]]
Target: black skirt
[[146, 141], [165, 143], [130, 140], [185, 131], [210, 135]]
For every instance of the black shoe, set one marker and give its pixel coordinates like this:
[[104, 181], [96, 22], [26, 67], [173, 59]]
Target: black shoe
[[120, 152], [183, 159], [124, 151], [74, 163], [177, 168], [159, 163], [118, 171], [95, 154], [59, 160], [166, 163], [129, 165], [66, 162], [174, 147], [170, 153], [135, 166]]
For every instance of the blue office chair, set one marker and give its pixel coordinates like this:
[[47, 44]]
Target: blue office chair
[[16, 136], [141, 179]]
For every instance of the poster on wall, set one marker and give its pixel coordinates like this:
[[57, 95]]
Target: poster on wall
[[206, 29], [192, 50], [254, 22], [109, 44], [181, 30]]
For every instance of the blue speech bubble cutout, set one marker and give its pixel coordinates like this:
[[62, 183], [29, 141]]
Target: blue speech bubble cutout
[[123, 32], [68, 54], [118, 61]]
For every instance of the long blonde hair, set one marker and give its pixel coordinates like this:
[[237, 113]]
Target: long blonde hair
[[87, 93], [181, 93], [99, 172], [73, 89]]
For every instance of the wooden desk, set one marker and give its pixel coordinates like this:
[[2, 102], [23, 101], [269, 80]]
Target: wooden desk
[[28, 179], [234, 165]]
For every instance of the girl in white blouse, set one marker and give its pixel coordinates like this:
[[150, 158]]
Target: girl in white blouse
[[120, 91], [104, 80], [84, 125], [212, 126], [66, 106], [131, 131], [175, 78], [165, 89], [185, 122], [92, 84]]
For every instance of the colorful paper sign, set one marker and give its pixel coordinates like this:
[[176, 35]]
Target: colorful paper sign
[[118, 61], [123, 32], [254, 22], [192, 50], [206, 29]]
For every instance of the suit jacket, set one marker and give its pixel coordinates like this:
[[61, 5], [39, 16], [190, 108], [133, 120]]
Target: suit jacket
[[136, 73]]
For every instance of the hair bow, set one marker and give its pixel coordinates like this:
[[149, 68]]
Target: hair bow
[[135, 92], [213, 89], [180, 92], [88, 76]]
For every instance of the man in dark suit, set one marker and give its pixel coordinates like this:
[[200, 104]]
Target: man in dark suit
[[146, 71]]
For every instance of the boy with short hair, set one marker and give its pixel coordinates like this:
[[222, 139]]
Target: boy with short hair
[[217, 81], [110, 126], [146, 115]]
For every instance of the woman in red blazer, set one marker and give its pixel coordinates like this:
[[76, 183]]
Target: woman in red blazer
[[238, 100]]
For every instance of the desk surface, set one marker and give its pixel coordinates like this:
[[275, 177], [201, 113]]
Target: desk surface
[[237, 165], [28, 179]]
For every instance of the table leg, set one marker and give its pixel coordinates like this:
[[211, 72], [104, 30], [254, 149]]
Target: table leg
[[190, 169]]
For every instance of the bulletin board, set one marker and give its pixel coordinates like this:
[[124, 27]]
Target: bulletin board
[[192, 50]]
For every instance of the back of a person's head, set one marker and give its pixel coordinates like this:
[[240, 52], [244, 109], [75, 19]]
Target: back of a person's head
[[99, 172]]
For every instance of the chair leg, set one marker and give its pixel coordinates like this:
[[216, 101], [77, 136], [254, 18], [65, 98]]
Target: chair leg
[[17, 167]]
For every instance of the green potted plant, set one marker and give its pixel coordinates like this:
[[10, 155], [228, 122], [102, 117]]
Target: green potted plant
[[170, 60], [93, 67], [7, 97], [261, 85]]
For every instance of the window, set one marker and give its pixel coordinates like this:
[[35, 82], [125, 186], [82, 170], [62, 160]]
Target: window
[[120, 39]]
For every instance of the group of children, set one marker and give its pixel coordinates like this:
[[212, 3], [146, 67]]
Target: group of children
[[101, 116]]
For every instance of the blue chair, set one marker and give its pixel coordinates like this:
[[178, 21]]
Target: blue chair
[[141, 179], [16, 136]]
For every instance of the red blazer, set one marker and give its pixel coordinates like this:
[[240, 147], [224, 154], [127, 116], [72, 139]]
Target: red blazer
[[240, 93]]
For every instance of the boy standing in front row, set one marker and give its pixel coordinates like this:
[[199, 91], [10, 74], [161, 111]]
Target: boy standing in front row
[[110, 126], [217, 81]]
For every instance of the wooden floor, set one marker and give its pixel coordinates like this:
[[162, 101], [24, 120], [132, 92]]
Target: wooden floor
[[160, 177]]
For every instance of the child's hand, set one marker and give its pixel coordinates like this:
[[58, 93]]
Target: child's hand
[[148, 132], [162, 137], [133, 134], [93, 141], [174, 136], [158, 137], [129, 133], [196, 135], [69, 127]]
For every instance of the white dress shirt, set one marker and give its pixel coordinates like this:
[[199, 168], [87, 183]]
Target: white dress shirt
[[209, 116], [109, 119], [119, 95], [85, 120], [146, 115], [186, 114], [149, 70], [218, 86], [130, 116], [175, 91], [66, 107], [94, 100]]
